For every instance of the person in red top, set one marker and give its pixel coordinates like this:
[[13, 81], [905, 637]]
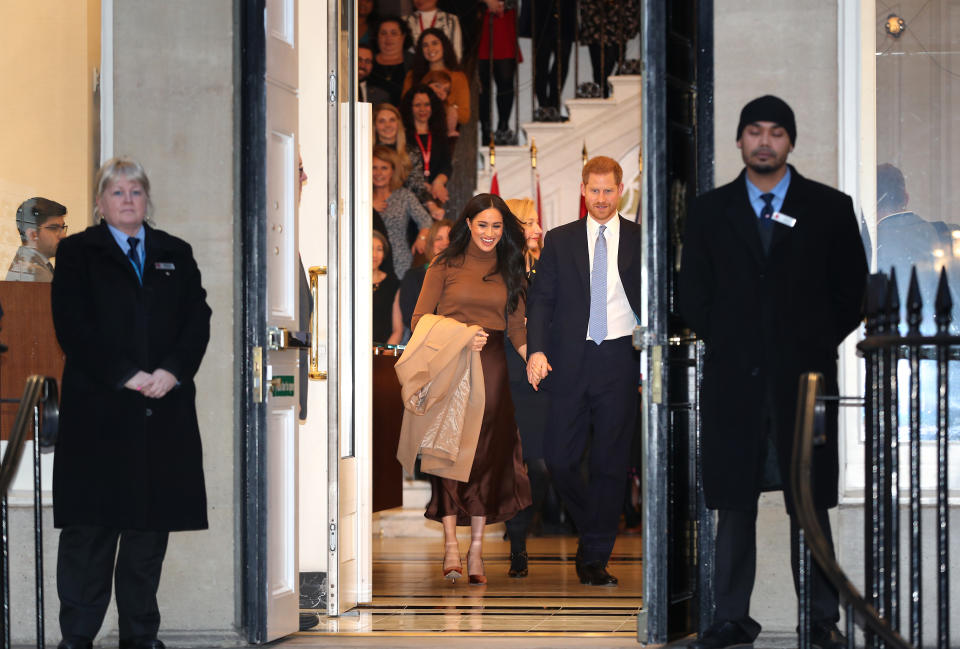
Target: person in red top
[[498, 54]]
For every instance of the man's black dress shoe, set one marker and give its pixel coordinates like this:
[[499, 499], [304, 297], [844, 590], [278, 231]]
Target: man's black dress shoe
[[595, 574], [142, 643], [827, 636], [75, 643], [725, 635]]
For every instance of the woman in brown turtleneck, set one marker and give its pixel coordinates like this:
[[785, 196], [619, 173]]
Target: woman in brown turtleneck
[[479, 280]]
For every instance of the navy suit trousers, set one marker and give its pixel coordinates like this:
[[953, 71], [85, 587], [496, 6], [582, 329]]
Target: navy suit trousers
[[603, 401]]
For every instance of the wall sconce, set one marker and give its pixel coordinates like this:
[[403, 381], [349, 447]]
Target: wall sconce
[[895, 25]]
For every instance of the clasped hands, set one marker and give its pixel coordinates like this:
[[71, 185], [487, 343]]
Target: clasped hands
[[537, 369], [152, 386]]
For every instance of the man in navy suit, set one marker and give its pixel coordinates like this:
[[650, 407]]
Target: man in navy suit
[[772, 280], [580, 321]]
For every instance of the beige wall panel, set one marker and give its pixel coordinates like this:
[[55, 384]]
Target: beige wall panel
[[174, 111], [784, 48], [49, 51]]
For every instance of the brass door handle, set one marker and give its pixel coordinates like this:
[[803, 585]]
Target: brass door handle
[[315, 373]]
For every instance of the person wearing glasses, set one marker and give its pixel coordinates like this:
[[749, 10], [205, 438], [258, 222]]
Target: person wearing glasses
[[41, 226]]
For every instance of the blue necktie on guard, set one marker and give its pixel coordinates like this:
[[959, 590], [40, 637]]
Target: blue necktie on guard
[[597, 327], [766, 220], [135, 257]]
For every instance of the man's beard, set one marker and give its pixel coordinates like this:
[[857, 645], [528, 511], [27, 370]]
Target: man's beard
[[774, 165]]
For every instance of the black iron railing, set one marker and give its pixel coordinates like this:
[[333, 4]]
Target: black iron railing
[[39, 413], [885, 350]]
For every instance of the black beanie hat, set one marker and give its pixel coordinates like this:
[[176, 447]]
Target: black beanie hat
[[768, 109]]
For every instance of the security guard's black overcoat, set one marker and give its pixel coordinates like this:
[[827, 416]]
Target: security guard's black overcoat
[[123, 460], [767, 319]]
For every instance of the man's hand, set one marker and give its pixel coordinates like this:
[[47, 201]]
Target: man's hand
[[161, 382], [537, 369]]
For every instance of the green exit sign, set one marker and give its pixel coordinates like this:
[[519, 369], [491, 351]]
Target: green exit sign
[[282, 385]]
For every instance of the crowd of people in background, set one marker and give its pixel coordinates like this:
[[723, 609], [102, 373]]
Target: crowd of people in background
[[428, 71]]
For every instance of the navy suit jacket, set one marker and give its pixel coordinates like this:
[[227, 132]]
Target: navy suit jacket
[[558, 308]]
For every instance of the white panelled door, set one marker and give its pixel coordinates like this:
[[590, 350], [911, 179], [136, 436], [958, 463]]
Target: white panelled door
[[281, 363]]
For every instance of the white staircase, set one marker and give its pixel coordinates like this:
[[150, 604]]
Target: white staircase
[[609, 127]]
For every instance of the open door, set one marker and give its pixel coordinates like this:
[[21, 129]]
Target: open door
[[281, 358], [349, 450], [270, 276], [678, 165]]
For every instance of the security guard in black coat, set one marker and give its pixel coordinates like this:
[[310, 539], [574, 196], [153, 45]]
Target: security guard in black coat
[[131, 316], [772, 280]]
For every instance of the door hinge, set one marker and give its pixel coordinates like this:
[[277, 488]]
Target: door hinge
[[257, 377]]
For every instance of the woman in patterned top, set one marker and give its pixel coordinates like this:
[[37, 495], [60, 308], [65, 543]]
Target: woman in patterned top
[[397, 207]]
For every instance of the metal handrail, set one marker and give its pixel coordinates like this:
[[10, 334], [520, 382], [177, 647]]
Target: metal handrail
[[39, 409], [809, 431]]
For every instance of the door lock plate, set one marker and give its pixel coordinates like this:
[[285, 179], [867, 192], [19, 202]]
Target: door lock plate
[[257, 371]]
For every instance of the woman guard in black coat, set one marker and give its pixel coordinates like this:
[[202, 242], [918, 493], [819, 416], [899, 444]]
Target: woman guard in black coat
[[132, 319]]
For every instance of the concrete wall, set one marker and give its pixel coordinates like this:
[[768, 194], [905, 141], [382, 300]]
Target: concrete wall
[[788, 49], [174, 110]]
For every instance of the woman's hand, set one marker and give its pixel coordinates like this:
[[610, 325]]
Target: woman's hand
[[495, 6], [138, 381], [380, 204], [436, 212], [162, 382], [420, 245], [537, 369], [453, 116], [438, 188], [479, 341]]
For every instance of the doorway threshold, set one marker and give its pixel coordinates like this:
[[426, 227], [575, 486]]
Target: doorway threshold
[[412, 601]]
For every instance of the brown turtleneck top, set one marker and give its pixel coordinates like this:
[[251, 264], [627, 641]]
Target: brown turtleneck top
[[467, 294]]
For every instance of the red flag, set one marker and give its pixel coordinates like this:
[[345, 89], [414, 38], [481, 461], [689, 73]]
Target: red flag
[[583, 207], [494, 185]]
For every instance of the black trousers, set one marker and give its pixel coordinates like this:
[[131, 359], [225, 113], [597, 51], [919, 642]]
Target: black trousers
[[604, 401], [603, 58], [87, 561], [552, 65], [503, 73], [735, 570]]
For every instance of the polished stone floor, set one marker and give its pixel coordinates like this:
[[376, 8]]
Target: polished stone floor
[[412, 599]]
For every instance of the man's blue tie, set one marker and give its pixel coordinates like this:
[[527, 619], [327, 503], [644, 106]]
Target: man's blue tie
[[135, 256], [766, 221], [598, 290]]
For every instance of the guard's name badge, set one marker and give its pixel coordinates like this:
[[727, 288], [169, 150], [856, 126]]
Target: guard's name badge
[[780, 217], [163, 265]]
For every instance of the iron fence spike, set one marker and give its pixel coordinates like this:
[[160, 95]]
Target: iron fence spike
[[875, 298], [893, 301], [944, 303], [914, 303]]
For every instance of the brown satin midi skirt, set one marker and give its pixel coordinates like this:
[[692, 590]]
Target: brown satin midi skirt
[[498, 487]]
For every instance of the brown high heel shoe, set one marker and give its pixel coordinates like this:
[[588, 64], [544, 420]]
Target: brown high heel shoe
[[451, 571], [477, 579]]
